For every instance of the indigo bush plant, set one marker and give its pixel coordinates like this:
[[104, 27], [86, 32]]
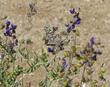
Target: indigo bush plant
[[8, 54], [85, 58], [61, 68]]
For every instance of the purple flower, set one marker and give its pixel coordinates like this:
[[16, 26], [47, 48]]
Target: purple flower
[[50, 49], [8, 32], [64, 63], [67, 25], [69, 29], [7, 23], [73, 26], [78, 21], [72, 11], [92, 40], [13, 26], [7, 28]]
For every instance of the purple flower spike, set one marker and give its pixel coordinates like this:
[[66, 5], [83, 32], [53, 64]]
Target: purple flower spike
[[92, 40], [72, 11], [7, 23], [69, 29], [50, 49], [78, 21], [67, 25], [64, 64], [13, 26], [73, 26], [8, 33], [7, 28]]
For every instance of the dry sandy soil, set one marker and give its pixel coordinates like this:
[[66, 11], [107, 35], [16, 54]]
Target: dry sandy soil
[[95, 15]]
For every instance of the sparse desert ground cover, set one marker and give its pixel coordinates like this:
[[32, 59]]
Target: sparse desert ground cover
[[31, 16]]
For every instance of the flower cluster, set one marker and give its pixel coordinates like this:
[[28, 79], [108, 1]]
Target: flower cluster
[[10, 31], [50, 49], [10, 28], [73, 24], [56, 40], [94, 48], [91, 51]]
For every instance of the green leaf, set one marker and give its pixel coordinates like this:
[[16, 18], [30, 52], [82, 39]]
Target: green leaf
[[101, 73], [66, 54], [65, 83], [80, 58], [73, 49], [94, 83], [77, 33], [48, 83], [41, 84], [103, 85]]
